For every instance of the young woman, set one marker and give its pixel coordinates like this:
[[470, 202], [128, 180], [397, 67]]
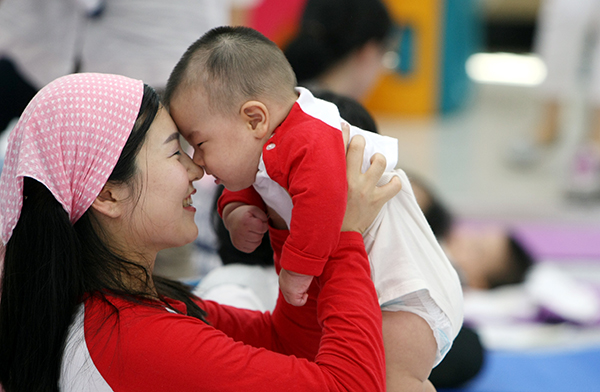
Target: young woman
[[340, 45], [94, 184]]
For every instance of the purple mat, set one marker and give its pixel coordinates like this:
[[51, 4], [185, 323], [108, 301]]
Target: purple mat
[[560, 241], [550, 240]]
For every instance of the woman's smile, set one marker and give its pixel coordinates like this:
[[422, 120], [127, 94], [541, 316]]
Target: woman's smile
[[188, 201]]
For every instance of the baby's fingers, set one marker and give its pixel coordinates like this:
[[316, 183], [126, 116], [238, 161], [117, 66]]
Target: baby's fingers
[[295, 299]]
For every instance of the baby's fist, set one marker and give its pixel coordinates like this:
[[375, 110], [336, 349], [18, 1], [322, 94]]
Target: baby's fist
[[294, 287], [247, 225]]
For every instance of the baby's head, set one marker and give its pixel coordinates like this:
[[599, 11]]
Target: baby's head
[[232, 65], [226, 94]]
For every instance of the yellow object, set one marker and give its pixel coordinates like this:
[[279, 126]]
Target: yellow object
[[415, 92]]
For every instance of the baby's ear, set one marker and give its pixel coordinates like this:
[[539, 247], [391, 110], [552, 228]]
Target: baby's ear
[[256, 116], [108, 202]]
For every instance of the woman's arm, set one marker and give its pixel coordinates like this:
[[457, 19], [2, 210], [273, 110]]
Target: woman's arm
[[154, 350]]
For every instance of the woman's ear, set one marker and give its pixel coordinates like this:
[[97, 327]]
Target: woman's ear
[[256, 116], [108, 202]]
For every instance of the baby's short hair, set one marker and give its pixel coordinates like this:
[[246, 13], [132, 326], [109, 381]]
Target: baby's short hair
[[233, 65]]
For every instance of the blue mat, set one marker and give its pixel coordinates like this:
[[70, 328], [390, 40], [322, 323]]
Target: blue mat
[[570, 370]]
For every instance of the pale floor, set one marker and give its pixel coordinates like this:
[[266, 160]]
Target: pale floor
[[463, 156]]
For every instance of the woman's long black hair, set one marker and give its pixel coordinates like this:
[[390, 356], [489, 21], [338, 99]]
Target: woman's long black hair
[[49, 266]]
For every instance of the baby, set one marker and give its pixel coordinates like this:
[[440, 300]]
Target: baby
[[280, 153]]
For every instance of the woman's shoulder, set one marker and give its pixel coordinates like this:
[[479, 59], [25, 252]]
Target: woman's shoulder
[[110, 334]]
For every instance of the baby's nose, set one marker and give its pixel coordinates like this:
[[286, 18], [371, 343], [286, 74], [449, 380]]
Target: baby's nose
[[198, 160]]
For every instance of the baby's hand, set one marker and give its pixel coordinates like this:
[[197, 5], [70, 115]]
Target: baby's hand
[[294, 287], [247, 225]]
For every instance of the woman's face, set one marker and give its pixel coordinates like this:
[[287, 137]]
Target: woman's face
[[372, 67], [162, 216]]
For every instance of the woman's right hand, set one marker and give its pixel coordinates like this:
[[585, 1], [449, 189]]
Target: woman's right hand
[[365, 198]]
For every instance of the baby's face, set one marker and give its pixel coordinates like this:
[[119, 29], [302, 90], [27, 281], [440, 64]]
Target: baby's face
[[223, 144], [480, 251]]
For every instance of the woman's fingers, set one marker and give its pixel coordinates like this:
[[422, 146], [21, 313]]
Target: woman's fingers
[[384, 192], [389, 190], [365, 199], [354, 156], [345, 133]]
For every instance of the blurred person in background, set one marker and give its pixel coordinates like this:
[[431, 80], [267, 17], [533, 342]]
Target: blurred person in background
[[485, 256], [567, 40], [38, 40], [340, 45], [41, 40]]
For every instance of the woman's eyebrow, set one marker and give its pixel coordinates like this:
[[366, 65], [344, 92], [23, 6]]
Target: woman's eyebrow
[[173, 136]]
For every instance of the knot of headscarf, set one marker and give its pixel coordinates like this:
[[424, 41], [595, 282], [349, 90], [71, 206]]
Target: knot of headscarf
[[69, 138]]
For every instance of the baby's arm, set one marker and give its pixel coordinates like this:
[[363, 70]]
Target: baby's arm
[[294, 286], [246, 224]]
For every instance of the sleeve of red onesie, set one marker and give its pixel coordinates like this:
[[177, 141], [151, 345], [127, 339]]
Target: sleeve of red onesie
[[246, 196], [312, 167]]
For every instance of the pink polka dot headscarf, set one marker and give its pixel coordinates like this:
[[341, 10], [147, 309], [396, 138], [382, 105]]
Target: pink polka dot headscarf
[[69, 138]]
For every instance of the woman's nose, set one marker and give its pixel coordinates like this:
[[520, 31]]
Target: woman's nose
[[198, 172], [195, 171]]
